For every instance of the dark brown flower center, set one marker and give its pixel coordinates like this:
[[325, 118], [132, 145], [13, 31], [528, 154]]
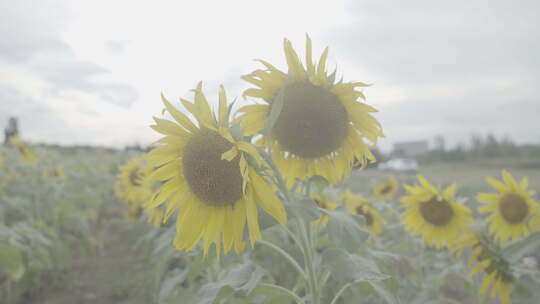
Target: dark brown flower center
[[321, 204], [386, 189], [135, 177], [513, 208], [437, 212], [367, 215], [214, 181], [312, 123]]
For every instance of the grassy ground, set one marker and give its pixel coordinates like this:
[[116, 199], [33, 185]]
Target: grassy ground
[[112, 274]]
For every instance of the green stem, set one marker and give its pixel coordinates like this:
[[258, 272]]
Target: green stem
[[284, 291], [286, 256], [309, 261], [338, 294]]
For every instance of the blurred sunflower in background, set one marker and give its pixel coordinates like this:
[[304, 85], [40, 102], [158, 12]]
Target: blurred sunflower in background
[[213, 178], [133, 185], [358, 205], [26, 154], [485, 258], [513, 211], [54, 172], [434, 214], [322, 125], [325, 203], [386, 190]]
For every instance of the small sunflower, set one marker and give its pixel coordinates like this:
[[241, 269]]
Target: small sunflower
[[360, 206], [513, 210], [434, 214], [133, 185], [55, 173], [322, 126], [386, 190], [211, 177], [324, 203], [485, 258], [26, 154]]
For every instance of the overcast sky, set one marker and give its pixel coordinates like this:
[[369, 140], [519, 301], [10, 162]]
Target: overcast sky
[[90, 72]]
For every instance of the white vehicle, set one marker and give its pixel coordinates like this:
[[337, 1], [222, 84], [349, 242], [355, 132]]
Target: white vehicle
[[399, 164]]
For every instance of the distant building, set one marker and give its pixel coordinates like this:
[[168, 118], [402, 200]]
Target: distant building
[[410, 149]]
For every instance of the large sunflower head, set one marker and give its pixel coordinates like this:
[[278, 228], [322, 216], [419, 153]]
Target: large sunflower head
[[360, 206], [434, 214], [486, 258], [133, 185], [321, 125], [211, 176], [513, 212], [386, 190]]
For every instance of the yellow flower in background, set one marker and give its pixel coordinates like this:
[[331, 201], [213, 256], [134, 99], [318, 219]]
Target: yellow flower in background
[[434, 214], [513, 212], [324, 203], [322, 126], [386, 190], [55, 172], [26, 154], [133, 185], [209, 176], [496, 270], [358, 205]]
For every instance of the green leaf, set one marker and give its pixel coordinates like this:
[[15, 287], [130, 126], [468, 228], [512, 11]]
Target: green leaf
[[349, 267], [519, 249], [317, 183], [11, 262], [304, 209], [275, 110], [172, 283], [242, 279], [345, 230], [380, 288]]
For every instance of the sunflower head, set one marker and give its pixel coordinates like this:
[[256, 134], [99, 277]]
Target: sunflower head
[[485, 258], [325, 203], [513, 213], [133, 185], [434, 214], [26, 154], [314, 124], [358, 205], [212, 177], [386, 190]]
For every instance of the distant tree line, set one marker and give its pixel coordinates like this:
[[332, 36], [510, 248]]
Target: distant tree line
[[485, 148]]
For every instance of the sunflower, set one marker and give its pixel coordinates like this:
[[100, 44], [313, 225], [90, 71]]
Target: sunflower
[[133, 185], [211, 176], [360, 206], [386, 190], [325, 203], [55, 173], [322, 126], [434, 214], [513, 210], [485, 258], [25, 152]]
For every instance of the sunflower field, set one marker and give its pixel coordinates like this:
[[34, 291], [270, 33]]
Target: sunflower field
[[268, 199]]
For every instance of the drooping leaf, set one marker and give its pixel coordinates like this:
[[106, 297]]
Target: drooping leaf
[[345, 229], [347, 267]]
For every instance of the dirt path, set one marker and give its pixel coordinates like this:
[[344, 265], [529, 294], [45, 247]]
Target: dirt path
[[110, 275]]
